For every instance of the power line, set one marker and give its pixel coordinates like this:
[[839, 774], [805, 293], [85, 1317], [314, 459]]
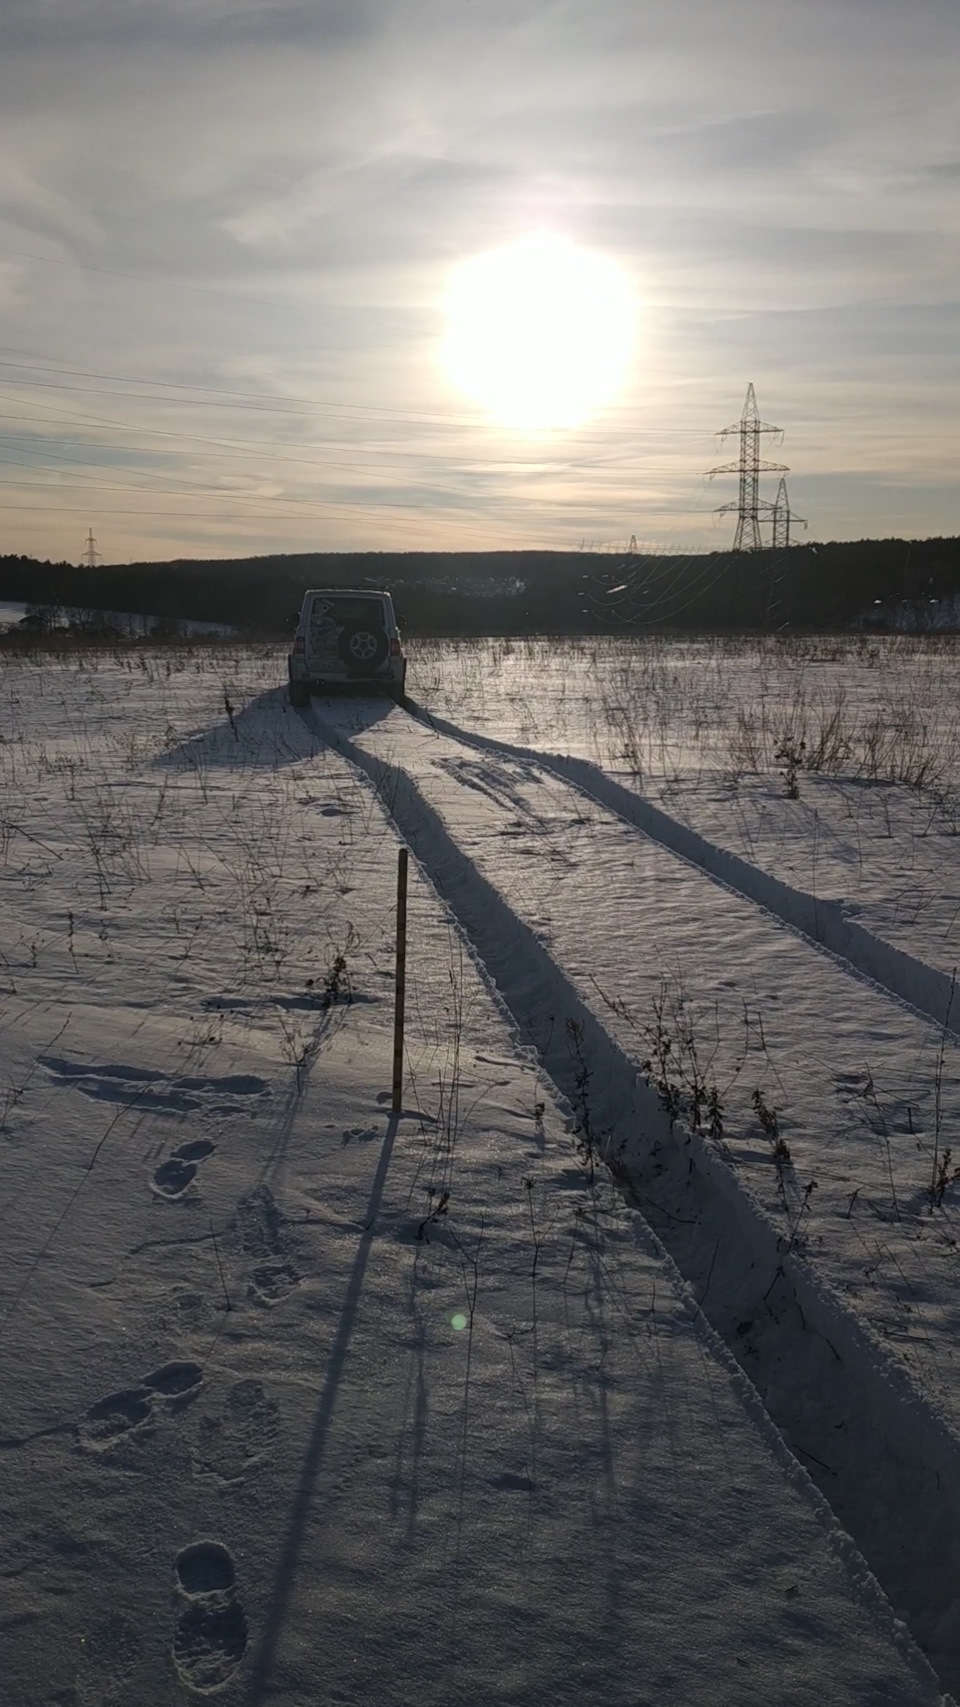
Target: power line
[[247, 447], [256, 400], [144, 278], [258, 448]]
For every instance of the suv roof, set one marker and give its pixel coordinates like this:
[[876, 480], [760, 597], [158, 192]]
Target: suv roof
[[347, 592]]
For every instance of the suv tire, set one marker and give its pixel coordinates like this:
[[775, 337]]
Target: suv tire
[[363, 647], [299, 693]]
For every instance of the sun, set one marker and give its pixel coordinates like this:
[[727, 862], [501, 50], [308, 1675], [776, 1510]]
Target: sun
[[540, 333]]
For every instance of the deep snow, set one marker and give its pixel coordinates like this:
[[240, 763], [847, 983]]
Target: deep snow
[[304, 1402]]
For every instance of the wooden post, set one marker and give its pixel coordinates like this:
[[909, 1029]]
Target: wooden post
[[401, 981]]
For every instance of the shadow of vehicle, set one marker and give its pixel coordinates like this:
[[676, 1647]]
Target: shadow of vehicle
[[269, 732]]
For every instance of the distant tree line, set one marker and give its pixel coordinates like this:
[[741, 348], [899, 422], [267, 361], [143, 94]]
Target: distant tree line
[[833, 585]]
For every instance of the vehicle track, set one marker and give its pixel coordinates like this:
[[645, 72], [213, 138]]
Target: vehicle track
[[886, 1462], [824, 923]]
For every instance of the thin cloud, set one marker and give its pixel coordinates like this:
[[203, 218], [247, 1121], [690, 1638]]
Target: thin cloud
[[276, 193]]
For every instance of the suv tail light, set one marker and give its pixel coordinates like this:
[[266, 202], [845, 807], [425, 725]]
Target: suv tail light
[[298, 646], [394, 648]]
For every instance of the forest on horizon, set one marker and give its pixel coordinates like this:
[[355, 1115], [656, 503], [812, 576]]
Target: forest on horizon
[[838, 584]]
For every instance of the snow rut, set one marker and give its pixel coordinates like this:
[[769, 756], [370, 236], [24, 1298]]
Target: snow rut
[[885, 1461], [825, 923]]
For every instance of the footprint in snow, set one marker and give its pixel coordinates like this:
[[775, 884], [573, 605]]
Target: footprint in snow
[[184, 1312], [258, 1227], [210, 1638], [259, 1223], [114, 1418], [173, 1176], [238, 1440], [510, 1483], [178, 1382], [272, 1282], [151, 1089], [359, 1135]]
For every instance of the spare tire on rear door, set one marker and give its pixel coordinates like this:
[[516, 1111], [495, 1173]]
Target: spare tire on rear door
[[363, 646]]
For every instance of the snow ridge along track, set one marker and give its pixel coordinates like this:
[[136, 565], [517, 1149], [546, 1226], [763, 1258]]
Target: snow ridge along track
[[885, 1461], [826, 923]]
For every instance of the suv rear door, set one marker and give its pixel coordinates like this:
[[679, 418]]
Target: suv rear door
[[346, 636]]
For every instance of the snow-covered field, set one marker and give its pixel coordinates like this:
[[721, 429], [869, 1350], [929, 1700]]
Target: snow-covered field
[[620, 1367]]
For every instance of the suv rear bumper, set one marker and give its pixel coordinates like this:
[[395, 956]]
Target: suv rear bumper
[[391, 679]]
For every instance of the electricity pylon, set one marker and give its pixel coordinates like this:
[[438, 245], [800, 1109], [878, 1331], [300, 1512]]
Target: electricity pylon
[[749, 467], [782, 516], [91, 556]]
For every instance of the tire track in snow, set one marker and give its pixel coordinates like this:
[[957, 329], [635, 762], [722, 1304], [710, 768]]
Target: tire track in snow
[[886, 1462], [827, 924]]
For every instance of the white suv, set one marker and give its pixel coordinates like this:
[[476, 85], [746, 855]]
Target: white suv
[[345, 637]]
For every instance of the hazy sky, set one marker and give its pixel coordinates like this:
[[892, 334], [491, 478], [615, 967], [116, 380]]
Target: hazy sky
[[228, 227]]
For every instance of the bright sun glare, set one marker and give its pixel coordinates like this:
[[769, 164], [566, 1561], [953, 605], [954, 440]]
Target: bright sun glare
[[540, 333]]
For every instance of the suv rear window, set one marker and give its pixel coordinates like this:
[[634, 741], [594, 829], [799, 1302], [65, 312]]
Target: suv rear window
[[351, 610]]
